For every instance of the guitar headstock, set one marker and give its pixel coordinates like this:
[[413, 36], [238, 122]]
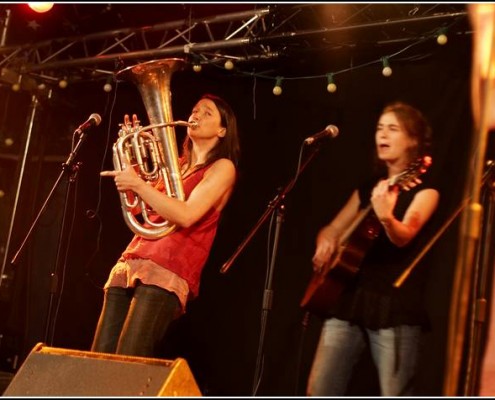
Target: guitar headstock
[[407, 178]]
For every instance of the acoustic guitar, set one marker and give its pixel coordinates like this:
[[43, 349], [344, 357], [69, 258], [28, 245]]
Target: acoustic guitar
[[327, 284]]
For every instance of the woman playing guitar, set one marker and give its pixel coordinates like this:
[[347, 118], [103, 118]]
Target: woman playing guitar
[[369, 309]]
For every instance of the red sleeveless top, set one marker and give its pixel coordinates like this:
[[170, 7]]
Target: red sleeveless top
[[184, 251]]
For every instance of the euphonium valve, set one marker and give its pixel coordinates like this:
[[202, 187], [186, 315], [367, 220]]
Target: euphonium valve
[[151, 149]]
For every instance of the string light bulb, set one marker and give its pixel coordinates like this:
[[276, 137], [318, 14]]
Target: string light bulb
[[277, 89], [107, 87], [386, 71], [17, 86], [197, 67], [442, 37], [331, 86], [229, 65], [62, 84]]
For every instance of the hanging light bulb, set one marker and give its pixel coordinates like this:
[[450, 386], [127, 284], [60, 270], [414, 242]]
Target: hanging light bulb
[[107, 87], [386, 71], [40, 7], [277, 89], [197, 67], [62, 84], [17, 86], [331, 86], [442, 37], [229, 65]]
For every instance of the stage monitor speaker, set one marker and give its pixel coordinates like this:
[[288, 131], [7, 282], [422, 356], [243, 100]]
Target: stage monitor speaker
[[50, 371]]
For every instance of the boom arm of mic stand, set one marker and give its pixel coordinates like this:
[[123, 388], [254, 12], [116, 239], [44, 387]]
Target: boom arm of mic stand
[[271, 206], [486, 177], [65, 167]]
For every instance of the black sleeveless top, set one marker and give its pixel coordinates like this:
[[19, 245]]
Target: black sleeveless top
[[371, 300]]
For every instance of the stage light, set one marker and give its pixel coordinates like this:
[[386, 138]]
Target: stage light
[[331, 86], [277, 89], [386, 71], [40, 7]]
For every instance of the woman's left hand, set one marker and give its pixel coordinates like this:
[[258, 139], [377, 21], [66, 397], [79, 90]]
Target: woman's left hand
[[383, 199]]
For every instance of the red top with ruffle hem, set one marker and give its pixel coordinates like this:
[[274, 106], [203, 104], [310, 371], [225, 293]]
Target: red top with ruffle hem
[[184, 251]]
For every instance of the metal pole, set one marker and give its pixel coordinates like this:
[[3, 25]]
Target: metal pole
[[481, 288], [34, 107], [5, 27]]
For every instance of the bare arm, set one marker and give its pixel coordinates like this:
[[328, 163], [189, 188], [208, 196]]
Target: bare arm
[[213, 191], [417, 214]]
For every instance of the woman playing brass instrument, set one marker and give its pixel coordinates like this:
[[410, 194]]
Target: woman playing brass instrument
[[152, 281]]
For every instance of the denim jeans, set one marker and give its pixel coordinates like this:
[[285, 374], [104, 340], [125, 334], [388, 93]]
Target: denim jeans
[[133, 321], [395, 352]]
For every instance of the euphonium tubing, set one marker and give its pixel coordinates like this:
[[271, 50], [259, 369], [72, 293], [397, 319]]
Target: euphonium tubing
[[153, 148]]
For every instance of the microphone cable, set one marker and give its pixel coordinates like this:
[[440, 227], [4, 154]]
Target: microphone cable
[[92, 214]]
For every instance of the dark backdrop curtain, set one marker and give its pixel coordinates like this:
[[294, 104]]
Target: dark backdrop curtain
[[219, 335]]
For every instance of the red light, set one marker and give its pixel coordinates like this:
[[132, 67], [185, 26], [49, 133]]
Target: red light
[[40, 7]]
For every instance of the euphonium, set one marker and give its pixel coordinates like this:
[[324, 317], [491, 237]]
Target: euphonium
[[153, 148]]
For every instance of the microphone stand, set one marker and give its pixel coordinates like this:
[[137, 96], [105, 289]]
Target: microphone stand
[[34, 108], [274, 205], [481, 289], [67, 167]]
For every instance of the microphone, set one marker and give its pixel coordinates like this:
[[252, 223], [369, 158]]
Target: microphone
[[94, 119], [330, 130]]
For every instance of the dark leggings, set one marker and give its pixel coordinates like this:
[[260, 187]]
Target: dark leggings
[[134, 321]]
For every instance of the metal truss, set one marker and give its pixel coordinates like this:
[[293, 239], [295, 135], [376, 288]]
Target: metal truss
[[251, 35], [202, 40]]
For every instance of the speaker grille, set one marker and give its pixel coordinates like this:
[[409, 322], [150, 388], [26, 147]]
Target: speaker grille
[[58, 372]]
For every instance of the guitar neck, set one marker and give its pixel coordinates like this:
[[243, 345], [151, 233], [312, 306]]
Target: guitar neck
[[355, 223]]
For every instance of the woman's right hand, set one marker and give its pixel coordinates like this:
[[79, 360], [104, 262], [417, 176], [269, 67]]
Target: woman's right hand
[[328, 240], [326, 246]]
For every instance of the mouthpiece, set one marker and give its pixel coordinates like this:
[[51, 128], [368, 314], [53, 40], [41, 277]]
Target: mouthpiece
[[193, 124]]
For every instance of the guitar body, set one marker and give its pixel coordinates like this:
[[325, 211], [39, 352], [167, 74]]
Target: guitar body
[[326, 287]]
